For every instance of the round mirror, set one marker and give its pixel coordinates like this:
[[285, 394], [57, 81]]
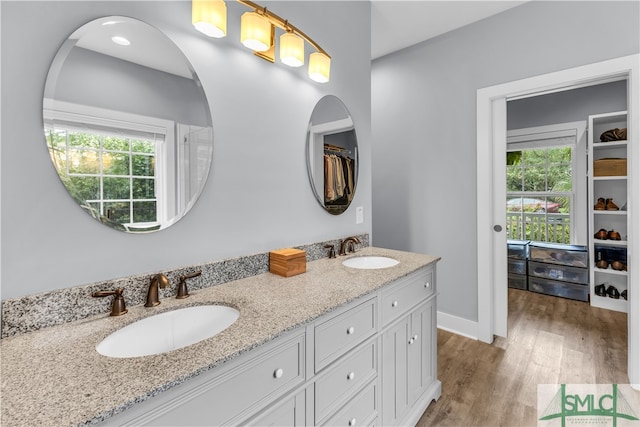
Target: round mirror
[[127, 124], [332, 155]]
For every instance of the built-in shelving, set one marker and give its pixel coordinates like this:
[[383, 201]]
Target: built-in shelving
[[607, 187]]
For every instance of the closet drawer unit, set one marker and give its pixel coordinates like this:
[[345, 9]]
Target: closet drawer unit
[[517, 281], [559, 289], [409, 292], [344, 379], [517, 266], [360, 411], [517, 249], [343, 332], [571, 255], [559, 272]]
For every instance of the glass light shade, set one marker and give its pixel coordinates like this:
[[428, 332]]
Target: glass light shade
[[291, 50], [319, 67], [255, 31], [209, 17]]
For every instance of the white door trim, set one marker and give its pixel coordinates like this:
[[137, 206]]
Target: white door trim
[[491, 116]]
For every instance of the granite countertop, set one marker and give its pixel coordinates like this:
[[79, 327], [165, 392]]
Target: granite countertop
[[55, 376]]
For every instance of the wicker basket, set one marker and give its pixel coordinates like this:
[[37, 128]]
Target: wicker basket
[[610, 167]]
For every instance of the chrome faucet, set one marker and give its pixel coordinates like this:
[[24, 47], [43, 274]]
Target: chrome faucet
[[347, 245], [152, 294]]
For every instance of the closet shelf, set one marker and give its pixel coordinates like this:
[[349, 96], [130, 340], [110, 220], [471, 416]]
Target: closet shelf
[[610, 271]]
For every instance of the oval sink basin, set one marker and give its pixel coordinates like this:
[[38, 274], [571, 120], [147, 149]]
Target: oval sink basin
[[370, 262], [168, 331]]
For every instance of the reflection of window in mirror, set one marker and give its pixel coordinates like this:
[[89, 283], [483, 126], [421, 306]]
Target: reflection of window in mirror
[[112, 163]]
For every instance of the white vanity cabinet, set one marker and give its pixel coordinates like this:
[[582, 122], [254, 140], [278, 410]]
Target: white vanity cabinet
[[370, 362], [409, 346]]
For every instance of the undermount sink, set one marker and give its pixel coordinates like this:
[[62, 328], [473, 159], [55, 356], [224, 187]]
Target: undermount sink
[[370, 262], [168, 331]]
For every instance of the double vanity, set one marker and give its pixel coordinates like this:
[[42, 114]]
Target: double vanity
[[337, 345]]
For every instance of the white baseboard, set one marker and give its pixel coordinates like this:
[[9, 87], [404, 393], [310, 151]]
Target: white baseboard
[[458, 325]]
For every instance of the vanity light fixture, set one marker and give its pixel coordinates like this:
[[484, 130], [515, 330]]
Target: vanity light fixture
[[257, 32], [210, 17]]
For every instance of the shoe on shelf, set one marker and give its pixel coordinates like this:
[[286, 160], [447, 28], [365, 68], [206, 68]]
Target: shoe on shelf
[[611, 206], [601, 234], [602, 264], [601, 205], [600, 290], [613, 292], [623, 294], [613, 235], [618, 265]]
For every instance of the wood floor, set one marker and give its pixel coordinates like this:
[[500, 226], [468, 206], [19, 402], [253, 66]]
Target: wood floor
[[550, 341]]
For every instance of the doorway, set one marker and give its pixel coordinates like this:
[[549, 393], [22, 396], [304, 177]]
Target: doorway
[[491, 134]]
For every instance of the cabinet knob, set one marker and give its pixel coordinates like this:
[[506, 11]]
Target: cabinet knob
[[351, 375], [427, 285], [411, 341], [394, 304], [278, 373], [350, 330], [415, 338], [352, 422]]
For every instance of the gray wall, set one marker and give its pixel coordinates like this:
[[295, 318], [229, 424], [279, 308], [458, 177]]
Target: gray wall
[[567, 106], [258, 196], [424, 123], [91, 78]]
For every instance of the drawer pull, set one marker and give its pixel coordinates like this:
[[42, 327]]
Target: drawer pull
[[350, 330], [351, 375], [415, 338], [411, 341], [278, 373], [427, 285], [352, 422], [394, 304]]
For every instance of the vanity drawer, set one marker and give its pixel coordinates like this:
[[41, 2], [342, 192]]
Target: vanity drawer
[[406, 294], [344, 379], [360, 411], [237, 393], [343, 332]]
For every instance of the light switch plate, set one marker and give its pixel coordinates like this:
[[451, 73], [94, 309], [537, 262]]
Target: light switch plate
[[359, 215]]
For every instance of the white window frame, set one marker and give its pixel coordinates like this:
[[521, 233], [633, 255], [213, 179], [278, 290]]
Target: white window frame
[[553, 136], [165, 174]]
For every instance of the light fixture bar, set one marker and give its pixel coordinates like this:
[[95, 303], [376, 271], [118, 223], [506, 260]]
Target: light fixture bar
[[282, 23]]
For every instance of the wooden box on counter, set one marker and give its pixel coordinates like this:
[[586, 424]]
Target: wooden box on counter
[[287, 262]]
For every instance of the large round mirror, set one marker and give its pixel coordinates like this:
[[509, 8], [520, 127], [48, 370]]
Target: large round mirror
[[127, 124], [332, 155]]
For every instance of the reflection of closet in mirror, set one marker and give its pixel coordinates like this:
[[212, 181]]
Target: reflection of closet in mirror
[[332, 163], [339, 169]]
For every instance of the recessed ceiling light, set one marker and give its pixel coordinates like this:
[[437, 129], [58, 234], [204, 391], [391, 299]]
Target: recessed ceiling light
[[120, 40]]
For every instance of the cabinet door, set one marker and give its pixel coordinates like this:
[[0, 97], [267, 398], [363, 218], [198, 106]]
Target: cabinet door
[[395, 402], [420, 354]]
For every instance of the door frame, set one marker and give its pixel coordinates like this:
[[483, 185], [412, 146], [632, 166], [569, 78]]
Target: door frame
[[491, 127]]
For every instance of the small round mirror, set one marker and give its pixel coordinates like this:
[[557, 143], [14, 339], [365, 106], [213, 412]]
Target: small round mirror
[[127, 124], [332, 155]]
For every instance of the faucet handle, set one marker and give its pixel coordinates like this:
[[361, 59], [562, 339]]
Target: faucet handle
[[183, 291], [118, 308], [332, 250]]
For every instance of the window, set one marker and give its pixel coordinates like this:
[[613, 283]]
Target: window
[[544, 194], [113, 175], [112, 163], [540, 194]]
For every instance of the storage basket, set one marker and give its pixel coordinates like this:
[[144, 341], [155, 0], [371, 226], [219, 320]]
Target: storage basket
[[610, 167]]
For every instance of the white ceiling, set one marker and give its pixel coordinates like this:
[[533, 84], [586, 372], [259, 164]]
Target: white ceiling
[[396, 24]]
